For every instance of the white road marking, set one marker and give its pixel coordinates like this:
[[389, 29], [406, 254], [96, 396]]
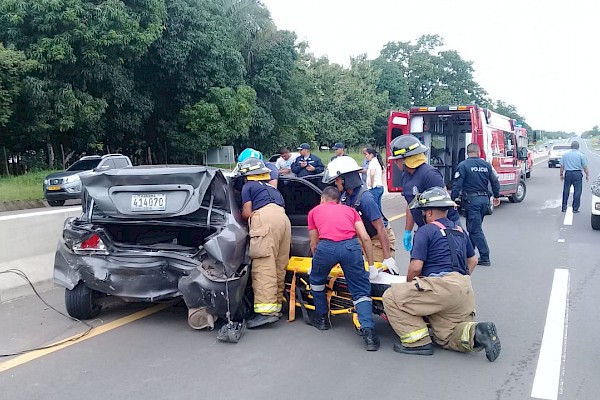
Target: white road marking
[[561, 240], [39, 213], [568, 216], [548, 375], [591, 151]]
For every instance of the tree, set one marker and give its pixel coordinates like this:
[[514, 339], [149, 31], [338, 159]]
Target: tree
[[225, 115], [83, 49], [196, 52]]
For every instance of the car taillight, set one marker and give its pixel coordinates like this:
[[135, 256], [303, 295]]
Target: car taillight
[[93, 244], [597, 206]]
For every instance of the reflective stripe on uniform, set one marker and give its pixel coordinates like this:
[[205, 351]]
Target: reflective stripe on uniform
[[414, 336], [317, 288], [360, 300], [266, 308], [465, 337]]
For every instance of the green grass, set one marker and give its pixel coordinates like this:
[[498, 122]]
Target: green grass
[[23, 187]]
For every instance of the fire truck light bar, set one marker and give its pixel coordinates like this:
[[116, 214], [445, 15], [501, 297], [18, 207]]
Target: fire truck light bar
[[439, 109]]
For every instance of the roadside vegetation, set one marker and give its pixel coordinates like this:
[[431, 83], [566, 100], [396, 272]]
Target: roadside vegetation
[[166, 80], [22, 187]]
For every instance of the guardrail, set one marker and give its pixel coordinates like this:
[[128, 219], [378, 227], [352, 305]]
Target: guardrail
[[28, 242]]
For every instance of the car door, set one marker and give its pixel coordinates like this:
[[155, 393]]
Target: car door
[[300, 197]]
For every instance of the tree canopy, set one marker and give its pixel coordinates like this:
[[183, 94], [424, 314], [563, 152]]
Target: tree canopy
[[166, 80]]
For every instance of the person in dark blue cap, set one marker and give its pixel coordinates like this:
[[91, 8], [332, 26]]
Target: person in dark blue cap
[[307, 164], [339, 150]]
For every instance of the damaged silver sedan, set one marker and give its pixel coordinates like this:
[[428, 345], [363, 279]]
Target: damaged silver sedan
[[155, 233]]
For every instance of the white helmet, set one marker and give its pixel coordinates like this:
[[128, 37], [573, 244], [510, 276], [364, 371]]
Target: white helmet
[[340, 166]]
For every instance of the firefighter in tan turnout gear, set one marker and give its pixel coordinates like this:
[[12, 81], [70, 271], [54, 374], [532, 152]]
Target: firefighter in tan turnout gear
[[438, 286], [270, 240]]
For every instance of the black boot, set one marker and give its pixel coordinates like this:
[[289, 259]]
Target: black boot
[[486, 336], [371, 339], [425, 350], [321, 322]]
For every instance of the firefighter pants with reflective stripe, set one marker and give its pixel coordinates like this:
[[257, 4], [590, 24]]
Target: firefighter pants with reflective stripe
[[270, 241], [377, 249], [348, 253], [448, 302]]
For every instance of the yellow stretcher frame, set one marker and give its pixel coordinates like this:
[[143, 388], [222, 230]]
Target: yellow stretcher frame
[[302, 265]]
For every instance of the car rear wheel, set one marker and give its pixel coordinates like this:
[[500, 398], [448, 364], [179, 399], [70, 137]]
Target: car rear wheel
[[596, 222], [528, 174], [56, 203], [81, 302], [519, 195]]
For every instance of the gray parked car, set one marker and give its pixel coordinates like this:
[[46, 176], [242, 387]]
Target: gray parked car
[[154, 233], [66, 185]]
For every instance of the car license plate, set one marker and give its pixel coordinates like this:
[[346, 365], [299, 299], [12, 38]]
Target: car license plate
[[148, 202], [53, 187]]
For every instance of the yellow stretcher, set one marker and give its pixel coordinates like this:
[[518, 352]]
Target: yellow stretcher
[[297, 291]]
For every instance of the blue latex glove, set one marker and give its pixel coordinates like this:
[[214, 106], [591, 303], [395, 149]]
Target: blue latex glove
[[407, 240]]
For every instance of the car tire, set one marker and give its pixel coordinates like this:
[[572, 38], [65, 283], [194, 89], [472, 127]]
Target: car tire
[[528, 174], [596, 222], [519, 195], [56, 203], [80, 302], [550, 165]]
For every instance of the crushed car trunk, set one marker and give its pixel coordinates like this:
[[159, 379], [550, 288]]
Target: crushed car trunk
[[159, 237]]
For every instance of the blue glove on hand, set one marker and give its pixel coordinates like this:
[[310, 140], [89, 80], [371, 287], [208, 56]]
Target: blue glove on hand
[[407, 240]]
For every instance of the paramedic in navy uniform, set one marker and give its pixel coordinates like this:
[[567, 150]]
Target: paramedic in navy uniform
[[472, 179], [409, 155]]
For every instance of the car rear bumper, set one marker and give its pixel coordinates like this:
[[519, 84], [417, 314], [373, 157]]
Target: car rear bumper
[[131, 278], [150, 278]]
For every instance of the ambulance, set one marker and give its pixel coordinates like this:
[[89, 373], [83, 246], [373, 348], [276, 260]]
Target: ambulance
[[447, 130]]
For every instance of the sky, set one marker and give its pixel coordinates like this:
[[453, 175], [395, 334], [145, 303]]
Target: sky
[[541, 56]]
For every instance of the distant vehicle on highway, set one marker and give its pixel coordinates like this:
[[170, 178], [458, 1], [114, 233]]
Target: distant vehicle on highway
[[66, 185], [596, 204], [555, 154]]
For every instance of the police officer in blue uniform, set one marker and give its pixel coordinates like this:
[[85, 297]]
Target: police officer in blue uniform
[[409, 155], [307, 164], [472, 179]]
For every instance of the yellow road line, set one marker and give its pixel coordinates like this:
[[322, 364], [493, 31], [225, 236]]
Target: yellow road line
[[395, 217], [25, 358]]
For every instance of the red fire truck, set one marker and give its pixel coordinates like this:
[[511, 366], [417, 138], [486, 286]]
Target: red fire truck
[[447, 130]]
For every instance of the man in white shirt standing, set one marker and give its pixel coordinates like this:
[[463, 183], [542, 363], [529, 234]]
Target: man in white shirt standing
[[285, 161]]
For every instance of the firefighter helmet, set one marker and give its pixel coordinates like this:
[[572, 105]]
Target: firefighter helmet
[[249, 153], [405, 146], [252, 166], [340, 166], [436, 197]]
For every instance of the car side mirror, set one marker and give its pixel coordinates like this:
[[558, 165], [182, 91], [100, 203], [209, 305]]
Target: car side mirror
[[102, 168], [522, 153]]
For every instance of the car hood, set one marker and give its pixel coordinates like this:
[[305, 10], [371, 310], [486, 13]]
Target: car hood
[[183, 189], [63, 174]]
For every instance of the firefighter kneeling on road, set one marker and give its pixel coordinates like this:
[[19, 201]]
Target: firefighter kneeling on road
[[438, 286], [270, 240], [333, 230]]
